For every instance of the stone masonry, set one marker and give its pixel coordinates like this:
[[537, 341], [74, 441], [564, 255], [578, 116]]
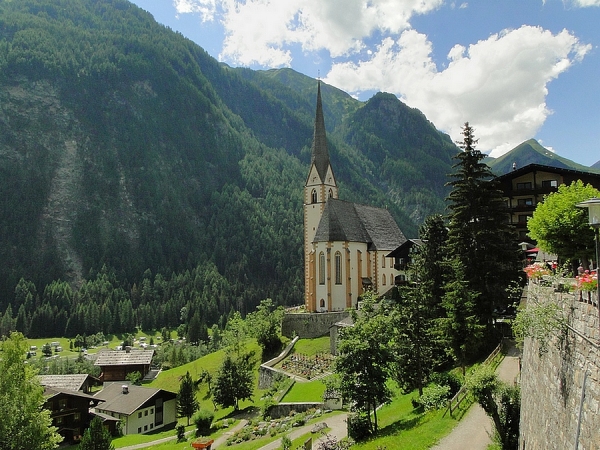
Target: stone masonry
[[560, 389]]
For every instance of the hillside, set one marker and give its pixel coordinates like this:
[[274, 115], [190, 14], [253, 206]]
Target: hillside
[[127, 153]]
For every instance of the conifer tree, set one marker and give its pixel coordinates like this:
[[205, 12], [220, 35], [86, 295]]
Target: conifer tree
[[96, 437], [187, 404], [479, 235]]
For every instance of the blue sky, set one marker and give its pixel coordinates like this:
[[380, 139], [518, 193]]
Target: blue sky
[[514, 69]]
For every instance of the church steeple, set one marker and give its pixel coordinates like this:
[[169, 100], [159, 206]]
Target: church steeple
[[320, 153]]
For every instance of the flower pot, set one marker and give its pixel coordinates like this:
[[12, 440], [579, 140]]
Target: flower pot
[[202, 443]]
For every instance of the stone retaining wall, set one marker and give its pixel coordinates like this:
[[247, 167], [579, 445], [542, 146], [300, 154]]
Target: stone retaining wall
[[266, 371], [560, 389], [310, 325]]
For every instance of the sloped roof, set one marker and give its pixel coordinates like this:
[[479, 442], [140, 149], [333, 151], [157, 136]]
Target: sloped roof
[[71, 382], [352, 222], [123, 358], [116, 401], [404, 248], [50, 392]]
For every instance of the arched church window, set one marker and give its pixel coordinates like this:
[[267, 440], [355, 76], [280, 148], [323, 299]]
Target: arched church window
[[322, 303], [383, 262], [338, 268], [330, 193], [383, 279], [321, 268], [313, 196]]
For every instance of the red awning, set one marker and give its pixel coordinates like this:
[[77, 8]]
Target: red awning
[[533, 250]]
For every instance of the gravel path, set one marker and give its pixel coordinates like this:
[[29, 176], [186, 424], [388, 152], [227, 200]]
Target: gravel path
[[474, 430]]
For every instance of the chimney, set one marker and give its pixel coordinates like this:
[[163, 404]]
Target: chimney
[[127, 349], [125, 389]]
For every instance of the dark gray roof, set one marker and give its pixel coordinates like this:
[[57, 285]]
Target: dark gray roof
[[319, 151], [403, 249], [123, 358], [72, 382], [116, 401], [345, 221], [50, 392]]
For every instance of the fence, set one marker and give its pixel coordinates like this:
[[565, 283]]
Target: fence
[[458, 398]]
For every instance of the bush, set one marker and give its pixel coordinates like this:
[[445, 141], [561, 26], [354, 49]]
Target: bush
[[358, 426], [447, 379], [203, 421], [180, 429], [434, 396]]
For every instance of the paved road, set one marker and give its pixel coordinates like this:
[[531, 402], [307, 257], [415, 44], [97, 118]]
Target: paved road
[[474, 430]]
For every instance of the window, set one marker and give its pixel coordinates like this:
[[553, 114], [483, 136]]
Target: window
[[383, 279], [151, 410], [59, 420], [139, 430], [321, 268], [140, 415], [525, 202], [151, 425], [313, 196], [62, 403], [522, 186], [524, 217], [146, 413], [76, 416], [550, 184], [145, 427], [383, 262], [338, 268], [322, 303], [330, 193]]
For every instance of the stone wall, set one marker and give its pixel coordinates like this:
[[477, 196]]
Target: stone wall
[[560, 390], [310, 325], [284, 409], [267, 373]]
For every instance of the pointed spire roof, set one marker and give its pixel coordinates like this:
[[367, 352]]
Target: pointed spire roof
[[320, 154]]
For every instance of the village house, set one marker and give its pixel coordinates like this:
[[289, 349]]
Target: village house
[[140, 409], [117, 364]]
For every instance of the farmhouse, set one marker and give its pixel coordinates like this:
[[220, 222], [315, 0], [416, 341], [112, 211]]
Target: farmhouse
[[70, 411], [73, 382], [116, 365], [141, 409], [345, 244]]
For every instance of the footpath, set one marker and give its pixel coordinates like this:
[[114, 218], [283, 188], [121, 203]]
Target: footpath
[[475, 429]]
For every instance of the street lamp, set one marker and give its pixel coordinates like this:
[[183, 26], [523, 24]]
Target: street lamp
[[593, 207]]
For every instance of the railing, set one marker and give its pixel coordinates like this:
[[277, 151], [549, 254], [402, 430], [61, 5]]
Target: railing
[[458, 398]]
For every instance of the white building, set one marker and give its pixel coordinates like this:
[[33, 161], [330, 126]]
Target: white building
[[345, 244]]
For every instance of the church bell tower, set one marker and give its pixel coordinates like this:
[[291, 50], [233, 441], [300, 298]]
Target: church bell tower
[[320, 185]]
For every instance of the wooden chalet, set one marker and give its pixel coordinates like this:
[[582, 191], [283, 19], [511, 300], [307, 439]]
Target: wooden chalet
[[117, 364]]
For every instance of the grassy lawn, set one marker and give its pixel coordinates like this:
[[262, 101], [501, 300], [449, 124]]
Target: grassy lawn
[[311, 391], [311, 347], [401, 426]]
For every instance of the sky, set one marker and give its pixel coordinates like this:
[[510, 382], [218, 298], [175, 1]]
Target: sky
[[513, 69]]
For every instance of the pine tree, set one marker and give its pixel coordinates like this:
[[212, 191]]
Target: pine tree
[[96, 437], [187, 404], [234, 380], [479, 235]]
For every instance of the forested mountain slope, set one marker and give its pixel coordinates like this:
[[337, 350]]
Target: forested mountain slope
[[126, 151]]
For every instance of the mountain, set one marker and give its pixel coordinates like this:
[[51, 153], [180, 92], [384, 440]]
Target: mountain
[[531, 152], [131, 157]]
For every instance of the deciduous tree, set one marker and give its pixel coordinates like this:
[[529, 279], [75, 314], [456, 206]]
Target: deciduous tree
[[234, 380], [24, 423], [560, 227]]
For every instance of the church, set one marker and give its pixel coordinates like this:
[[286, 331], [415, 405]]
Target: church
[[346, 245]]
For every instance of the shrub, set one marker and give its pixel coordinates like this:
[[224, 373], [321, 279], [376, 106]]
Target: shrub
[[358, 426], [180, 429], [203, 421], [447, 379], [434, 396], [286, 443]]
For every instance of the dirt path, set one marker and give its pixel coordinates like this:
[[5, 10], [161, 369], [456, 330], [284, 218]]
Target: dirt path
[[474, 430]]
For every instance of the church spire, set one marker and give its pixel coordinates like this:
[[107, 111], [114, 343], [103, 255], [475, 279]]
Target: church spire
[[320, 154]]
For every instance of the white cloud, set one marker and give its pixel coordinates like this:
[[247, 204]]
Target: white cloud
[[586, 3], [262, 31], [499, 85]]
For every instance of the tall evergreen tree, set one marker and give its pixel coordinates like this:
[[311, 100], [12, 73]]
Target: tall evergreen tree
[[234, 380], [187, 404], [479, 235], [96, 437]]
